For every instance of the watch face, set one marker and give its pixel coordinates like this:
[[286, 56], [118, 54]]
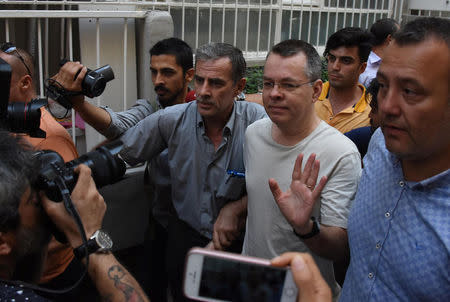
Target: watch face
[[104, 241]]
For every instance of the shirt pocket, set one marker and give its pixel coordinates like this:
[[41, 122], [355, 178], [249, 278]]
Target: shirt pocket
[[232, 189]]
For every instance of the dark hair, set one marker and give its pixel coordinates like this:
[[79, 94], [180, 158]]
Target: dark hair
[[381, 29], [176, 47], [214, 51], [349, 37], [292, 47], [422, 29], [17, 173], [372, 94]]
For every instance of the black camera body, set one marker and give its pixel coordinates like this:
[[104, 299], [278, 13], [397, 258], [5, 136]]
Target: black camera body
[[19, 117], [106, 166]]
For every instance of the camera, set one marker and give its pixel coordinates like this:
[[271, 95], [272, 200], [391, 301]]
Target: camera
[[19, 117], [106, 166]]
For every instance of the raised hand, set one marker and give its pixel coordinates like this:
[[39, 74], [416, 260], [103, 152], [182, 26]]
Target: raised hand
[[298, 201]]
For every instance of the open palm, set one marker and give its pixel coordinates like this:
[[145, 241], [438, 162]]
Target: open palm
[[298, 201]]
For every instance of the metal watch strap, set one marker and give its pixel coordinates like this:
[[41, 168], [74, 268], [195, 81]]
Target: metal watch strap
[[315, 230]]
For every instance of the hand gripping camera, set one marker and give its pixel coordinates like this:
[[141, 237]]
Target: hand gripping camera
[[106, 166]]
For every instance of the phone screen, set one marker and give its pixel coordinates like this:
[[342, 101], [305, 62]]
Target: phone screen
[[238, 281]]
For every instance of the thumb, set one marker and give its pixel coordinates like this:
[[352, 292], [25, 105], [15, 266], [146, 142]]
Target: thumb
[[307, 277]]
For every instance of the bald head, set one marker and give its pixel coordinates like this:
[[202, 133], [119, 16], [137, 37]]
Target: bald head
[[22, 88]]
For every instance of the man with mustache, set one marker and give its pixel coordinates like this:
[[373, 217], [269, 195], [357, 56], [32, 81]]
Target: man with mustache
[[171, 65], [398, 227], [204, 141], [342, 103]]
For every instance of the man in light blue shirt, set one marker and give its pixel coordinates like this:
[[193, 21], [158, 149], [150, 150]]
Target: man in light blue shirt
[[399, 226]]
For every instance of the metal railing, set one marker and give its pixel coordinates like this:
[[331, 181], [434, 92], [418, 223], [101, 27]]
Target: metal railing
[[252, 25]]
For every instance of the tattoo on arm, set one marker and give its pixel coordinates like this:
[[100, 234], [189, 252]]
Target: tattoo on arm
[[117, 273]]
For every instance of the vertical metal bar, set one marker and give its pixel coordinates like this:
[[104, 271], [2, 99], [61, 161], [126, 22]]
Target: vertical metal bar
[[197, 24], [182, 20], [337, 16], [391, 9], [247, 26], [41, 76], [309, 22], [69, 28], [259, 28], [46, 45], [300, 16], [367, 19], [223, 22], [318, 23], [345, 12], [360, 13], [7, 30], [235, 21], [353, 13], [62, 35], [327, 27], [269, 30], [210, 21], [290, 19], [125, 54], [376, 9], [279, 16]]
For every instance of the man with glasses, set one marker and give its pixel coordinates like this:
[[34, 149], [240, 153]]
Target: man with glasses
[[291, 85], [22, 89], [342, 103]]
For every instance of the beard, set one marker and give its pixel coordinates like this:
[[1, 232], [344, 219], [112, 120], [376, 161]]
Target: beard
[[170, 98], [31, 253]]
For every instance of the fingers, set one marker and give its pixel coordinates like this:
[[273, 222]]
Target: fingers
[[297, 173], [318, 189], [275, 188], [307, 170]]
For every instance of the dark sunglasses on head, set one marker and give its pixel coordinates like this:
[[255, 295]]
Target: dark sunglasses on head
[[11, 49]]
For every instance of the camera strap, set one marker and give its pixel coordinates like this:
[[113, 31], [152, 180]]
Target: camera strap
[[68, 204], [58, 93]]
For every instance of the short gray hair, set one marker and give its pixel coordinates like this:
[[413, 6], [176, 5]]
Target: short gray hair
[[214, 51], [289, 48]]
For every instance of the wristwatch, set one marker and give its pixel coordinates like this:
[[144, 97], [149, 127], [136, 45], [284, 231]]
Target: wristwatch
[[100, 242], [315, 230]]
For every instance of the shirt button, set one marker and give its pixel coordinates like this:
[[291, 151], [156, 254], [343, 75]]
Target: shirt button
[[378, 245], [387, 214], [401, 183], [370, 275]]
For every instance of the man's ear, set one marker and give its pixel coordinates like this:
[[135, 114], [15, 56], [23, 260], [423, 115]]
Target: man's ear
[[362, 67], [317, 90], [5, 243], [189, 75], [25, 83], [239, 87]]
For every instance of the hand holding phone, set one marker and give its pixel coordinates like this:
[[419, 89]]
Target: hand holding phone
[[221, 277]]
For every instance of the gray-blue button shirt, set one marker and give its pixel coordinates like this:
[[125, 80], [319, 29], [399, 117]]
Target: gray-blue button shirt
[[200, 183]]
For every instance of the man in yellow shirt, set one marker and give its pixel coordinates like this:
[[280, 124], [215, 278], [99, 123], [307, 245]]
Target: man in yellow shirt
[[343, 103]]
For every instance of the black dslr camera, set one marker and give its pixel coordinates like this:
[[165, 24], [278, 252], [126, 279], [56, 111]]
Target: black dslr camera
[[93, 85], [55, 176], [107, 168], [19, 117]]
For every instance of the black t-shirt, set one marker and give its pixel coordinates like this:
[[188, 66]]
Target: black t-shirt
[[19, 294]]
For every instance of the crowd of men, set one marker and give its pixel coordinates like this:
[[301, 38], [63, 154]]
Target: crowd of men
[[309, 199]]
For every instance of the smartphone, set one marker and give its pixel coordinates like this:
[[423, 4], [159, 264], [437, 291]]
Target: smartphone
[[222, 277]]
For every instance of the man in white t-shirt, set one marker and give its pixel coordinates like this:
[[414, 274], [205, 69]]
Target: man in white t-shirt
[[291, 85]]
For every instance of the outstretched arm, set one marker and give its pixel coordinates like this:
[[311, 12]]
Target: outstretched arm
[[297, 204], [112, 280]]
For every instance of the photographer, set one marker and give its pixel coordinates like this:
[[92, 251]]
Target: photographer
[[25, 232], [60, 268]]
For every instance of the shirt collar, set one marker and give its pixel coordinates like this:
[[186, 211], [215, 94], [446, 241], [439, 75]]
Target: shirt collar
[[374, 58], [360, 106], [229, 126]]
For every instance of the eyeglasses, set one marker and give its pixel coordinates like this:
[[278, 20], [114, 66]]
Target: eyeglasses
[[10, 48], [284, 86]]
